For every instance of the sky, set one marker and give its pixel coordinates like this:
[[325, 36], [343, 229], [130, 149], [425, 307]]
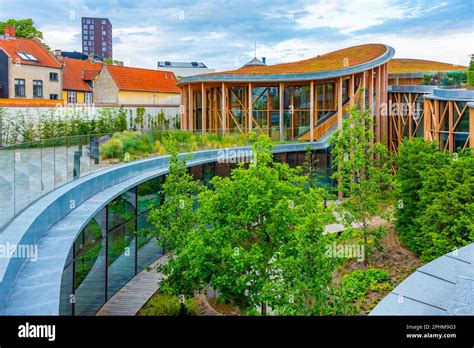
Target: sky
[[223, 33]]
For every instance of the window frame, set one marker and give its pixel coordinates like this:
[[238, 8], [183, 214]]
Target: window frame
[[22, 87], [37, 84], [74, 97]]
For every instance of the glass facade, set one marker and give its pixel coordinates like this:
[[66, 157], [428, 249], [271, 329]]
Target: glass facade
[[110, 250], [116, 243]]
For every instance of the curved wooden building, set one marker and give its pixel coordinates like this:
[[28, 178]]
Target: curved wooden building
[[300, 100]]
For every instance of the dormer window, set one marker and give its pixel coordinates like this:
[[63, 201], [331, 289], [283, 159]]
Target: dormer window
[[27, 56]]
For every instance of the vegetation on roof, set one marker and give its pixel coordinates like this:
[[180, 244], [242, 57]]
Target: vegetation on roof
[[330, 61], [407, 66]]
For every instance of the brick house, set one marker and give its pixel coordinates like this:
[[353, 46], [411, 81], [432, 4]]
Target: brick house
[[79, 76], [119, 85], [27, 69]]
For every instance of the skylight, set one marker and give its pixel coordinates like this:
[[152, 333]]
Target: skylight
[[27, 56]]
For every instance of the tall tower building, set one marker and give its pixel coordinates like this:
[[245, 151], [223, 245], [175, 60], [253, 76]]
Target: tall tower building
[[97, 36]]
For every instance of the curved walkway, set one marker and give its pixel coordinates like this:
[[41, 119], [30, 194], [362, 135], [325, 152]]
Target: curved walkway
[[32, 287], [129, 299], [444, 286]]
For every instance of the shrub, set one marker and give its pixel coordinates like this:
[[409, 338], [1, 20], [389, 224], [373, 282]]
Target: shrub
[[168, 305], [435, 204], [159, 148], [414, 158], [112, 148], [357, 284]]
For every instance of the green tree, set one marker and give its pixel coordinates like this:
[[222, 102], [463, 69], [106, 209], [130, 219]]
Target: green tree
[[363, 170], [447, 194], [414, 158], [470, 72], [24, 28], [258, 238]]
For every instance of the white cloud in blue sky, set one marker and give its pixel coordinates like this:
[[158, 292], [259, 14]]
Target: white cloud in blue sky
[[222, 33]]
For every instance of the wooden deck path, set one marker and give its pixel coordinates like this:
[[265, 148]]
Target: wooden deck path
[[128, 300]]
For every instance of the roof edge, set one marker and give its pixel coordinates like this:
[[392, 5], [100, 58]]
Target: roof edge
[[382, 59]]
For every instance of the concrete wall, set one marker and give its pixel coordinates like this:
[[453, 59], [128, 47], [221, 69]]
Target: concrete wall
[[30, 73], [105, 89]]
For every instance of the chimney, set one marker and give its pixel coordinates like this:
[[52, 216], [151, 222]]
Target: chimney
[[9, 31], [58, 54], [90, 57], [264, 60]]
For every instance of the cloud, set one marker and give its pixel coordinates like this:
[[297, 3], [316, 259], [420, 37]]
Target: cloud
[[222, 33], [349, 16]]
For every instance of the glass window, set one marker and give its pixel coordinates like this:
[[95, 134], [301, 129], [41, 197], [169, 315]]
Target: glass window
[[71, 97], [121, 209], [149, 194], [301, 97], [88, 98], [53, 76], [120, 257], [53, 96], [103, 32], [19, 88]]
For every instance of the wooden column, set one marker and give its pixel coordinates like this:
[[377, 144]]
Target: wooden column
[[181, 107], [351, 90], [451, 125], [371, 97], [339, 104], [364, 91], [250, 107], [190, 108], [377, 104], [471, 127], [281, 111], [203, 108], [185, 108], [311, 111], [427, 119], [223, 109]]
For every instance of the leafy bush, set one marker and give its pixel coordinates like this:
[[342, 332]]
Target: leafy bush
[[112, 148], [435, 199], [357, 284], [168, 305]]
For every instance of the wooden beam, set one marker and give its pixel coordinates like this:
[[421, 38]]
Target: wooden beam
[[451, 126], [281, 110], [250, 106], [471, 127], [351, 90], [223, 109], [203, 108], [311, 111], [190, 108], [181, 107], [377, 104], [364, 91], [339, 104]]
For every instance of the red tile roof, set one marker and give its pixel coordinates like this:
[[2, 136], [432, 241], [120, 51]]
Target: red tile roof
[[77, 71], [13, 46], [143, 80]]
